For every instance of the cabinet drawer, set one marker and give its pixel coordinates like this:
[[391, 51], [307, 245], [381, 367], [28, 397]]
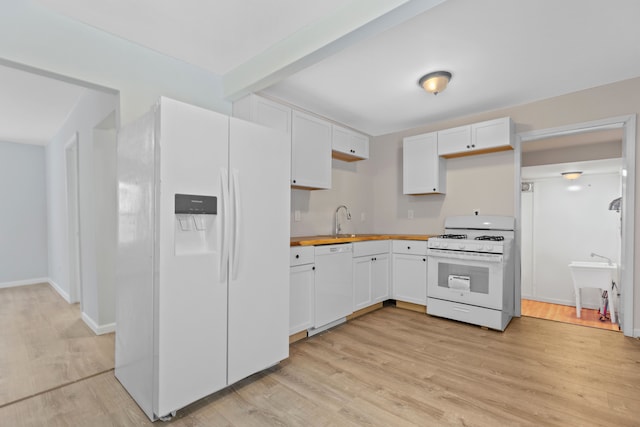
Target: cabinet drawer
[[411, 247], [299, 255], [494, 319], [370, 248]]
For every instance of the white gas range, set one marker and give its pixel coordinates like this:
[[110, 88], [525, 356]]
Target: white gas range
[[470, 272]]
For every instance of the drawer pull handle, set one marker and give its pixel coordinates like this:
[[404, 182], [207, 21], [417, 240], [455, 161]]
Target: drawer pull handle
[[297, 256]]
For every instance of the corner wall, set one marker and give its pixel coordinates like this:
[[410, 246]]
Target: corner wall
[[92, 108]]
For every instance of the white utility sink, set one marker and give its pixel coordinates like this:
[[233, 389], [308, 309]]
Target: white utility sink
[[594, 274]]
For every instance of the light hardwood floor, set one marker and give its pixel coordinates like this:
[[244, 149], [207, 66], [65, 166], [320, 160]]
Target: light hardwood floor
[[566, 314], [395, 367], [45, 344]]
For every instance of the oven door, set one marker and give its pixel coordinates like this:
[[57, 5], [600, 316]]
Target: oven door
[[470, 278]]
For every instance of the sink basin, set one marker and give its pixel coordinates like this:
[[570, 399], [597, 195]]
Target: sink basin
[[593, 274], [593, 264]]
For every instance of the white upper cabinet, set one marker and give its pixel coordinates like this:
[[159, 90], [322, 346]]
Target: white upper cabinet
[[348, 145], [310, 152], [478, 138], [423, 171], [263, 111], [454, 140]]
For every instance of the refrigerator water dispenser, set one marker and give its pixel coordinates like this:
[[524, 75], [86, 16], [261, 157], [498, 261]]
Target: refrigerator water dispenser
[[195, 224]]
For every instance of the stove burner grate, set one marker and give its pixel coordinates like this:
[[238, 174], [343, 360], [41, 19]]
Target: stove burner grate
[[453, 236], [492, 238]]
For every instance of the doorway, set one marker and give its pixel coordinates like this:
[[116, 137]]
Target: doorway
[[73, 219], [625, 126]]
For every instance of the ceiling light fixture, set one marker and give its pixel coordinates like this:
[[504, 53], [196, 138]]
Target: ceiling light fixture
[[435, 82], [571, 175]]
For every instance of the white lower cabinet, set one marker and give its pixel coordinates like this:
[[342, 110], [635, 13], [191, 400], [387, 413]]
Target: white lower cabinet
[[409, 271], [370, 273], [301, 288]]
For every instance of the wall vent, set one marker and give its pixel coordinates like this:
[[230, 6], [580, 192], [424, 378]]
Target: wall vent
[[527, 187]]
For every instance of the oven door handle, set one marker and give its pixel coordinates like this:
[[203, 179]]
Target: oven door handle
[[464, 256]]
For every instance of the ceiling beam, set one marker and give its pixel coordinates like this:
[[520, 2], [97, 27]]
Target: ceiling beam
[[358, 20]]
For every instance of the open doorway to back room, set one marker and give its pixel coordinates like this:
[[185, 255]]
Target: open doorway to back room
[[570, 222]]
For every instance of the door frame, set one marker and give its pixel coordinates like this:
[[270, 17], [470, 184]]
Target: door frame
[[628, 124], [74, 251]]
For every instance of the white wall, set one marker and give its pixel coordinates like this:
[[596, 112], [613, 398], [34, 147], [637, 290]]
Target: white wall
[[483, 183], [92, 108], [566, 226], [23, 217], [351, 186], [106, 223]]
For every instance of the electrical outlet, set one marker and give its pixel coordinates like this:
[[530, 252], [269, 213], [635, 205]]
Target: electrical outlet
[[362, 217], [296, 215], [410, 214]]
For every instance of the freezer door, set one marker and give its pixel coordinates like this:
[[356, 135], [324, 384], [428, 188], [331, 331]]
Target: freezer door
[[259, 261], [191, 297]]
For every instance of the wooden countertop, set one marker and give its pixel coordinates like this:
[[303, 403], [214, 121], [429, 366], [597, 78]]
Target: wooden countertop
[[347, 238]]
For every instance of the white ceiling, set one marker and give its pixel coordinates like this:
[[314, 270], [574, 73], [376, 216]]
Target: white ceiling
[[216, 35], [591, 167], [33, 107], [501, 52]]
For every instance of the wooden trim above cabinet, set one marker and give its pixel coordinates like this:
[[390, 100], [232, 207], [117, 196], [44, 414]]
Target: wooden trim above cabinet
[[475, 153], [345, 157]]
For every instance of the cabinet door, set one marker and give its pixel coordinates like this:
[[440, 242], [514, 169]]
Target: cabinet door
[[492, 134], [410, 278], [263, 111], [310, 152], [348, 145], [454, 140], [423, 172], [380, 278], [362, 282], [301, 298]]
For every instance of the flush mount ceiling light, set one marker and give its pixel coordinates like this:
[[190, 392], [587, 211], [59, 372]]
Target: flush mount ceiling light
[[435, 82], [571, 175]]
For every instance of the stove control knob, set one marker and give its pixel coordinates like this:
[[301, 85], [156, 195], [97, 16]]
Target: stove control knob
[[489, 248], [445, 245], [435, 244], [461, 246]]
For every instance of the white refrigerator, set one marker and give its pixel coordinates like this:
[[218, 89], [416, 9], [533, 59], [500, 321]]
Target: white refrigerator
[[203, 243]]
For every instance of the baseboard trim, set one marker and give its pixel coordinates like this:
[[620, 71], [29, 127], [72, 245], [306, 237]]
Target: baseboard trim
[[419, 308], [25, 282], [61, 291], [98, 329]]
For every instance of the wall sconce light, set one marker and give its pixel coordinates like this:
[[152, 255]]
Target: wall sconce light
[[571, 175], [435, 82]]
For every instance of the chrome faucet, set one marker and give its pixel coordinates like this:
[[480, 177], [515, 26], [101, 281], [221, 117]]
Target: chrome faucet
[[337, 222], [603, 257]]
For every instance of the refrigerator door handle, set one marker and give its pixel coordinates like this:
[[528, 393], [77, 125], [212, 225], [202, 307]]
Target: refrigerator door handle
[[224, 249], [235, 180]]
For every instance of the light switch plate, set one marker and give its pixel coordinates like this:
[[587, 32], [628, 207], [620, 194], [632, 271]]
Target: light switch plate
[[296, 215]]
